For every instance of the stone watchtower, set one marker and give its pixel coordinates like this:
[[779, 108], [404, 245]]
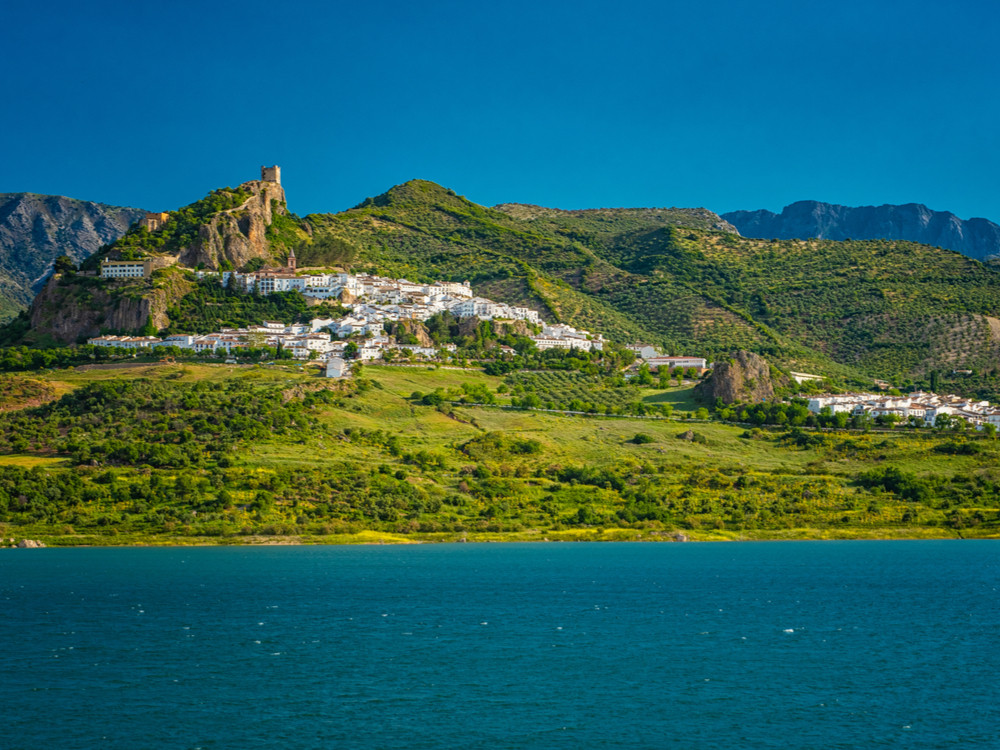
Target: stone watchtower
[[270, 174]]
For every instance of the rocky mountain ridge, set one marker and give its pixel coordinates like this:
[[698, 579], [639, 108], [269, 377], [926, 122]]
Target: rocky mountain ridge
[[36, 229], [226, 229], [976, 238], [237, 235]]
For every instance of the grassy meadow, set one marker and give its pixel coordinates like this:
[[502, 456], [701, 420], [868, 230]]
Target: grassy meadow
[[224, 454]]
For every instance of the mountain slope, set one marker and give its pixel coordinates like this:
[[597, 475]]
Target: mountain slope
[[679, 279], [977, 238], [226, 229], [36, 229], [561, 265], [884, 308]]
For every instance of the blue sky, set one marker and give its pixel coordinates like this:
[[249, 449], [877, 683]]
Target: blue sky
[[722, 104]]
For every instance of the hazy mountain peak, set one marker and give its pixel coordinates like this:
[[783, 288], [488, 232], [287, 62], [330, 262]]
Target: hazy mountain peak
[[36, 229], [977, 238]]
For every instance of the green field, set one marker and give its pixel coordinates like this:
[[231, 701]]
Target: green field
[[213, 454]]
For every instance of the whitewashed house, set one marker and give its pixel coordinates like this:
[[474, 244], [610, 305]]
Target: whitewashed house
[[336, 367]]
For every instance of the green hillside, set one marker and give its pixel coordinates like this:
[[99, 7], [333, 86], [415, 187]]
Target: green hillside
[[547, 445], [235, 454], [670, 277]]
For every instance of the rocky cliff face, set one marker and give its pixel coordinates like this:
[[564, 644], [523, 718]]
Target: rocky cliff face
[[745, 377], [70, 310], [36, 229], [239, 234], [977, 238], [73, 308]]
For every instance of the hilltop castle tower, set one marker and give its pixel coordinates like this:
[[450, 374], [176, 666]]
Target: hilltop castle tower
[[270, 174]]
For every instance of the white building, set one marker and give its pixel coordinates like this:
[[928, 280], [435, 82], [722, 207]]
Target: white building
[[643, 351], [698, 363], [181, 342], [562, 336], [125, 342], [547, 342], [126, 269], [419, 351], [369, 352], [336, 367]]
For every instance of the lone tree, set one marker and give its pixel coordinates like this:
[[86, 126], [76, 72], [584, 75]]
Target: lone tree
[[64, 264]]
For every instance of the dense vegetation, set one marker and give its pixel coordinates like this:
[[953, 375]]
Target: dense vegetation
[[21, 358], [211, 307], [581, 392], [675, 278], [158, 424], [198, 452], [179, 232]]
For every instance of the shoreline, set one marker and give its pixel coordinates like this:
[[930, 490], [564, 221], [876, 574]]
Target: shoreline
[[591, 536]]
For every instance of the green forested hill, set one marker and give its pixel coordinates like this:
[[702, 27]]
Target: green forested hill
[[678, 278], [148, 452], [565, 267], [175, 453], [673, 277]]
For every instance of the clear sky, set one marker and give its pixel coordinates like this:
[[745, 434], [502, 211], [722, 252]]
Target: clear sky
[[725, 104]]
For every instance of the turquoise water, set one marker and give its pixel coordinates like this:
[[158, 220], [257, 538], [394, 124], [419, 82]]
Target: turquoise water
[[755, 645]]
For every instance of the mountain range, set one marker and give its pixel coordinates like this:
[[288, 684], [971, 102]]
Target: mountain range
[[977, 238], [681, 279], [36, 229]]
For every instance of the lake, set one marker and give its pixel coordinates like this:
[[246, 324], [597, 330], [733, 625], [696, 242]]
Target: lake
[[746, 645]]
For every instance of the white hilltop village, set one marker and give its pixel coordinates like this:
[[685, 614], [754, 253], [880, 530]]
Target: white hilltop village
[[374, 301]]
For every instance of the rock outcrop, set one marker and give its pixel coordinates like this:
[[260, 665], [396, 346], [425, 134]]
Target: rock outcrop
[[744, 377], [36, 229], [417, 329], [977, 238], [30, 544], [68, 311], [238, 234]]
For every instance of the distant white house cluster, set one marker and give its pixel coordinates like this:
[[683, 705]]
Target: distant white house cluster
[[920, 407], [300, 339], [373, 302]]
